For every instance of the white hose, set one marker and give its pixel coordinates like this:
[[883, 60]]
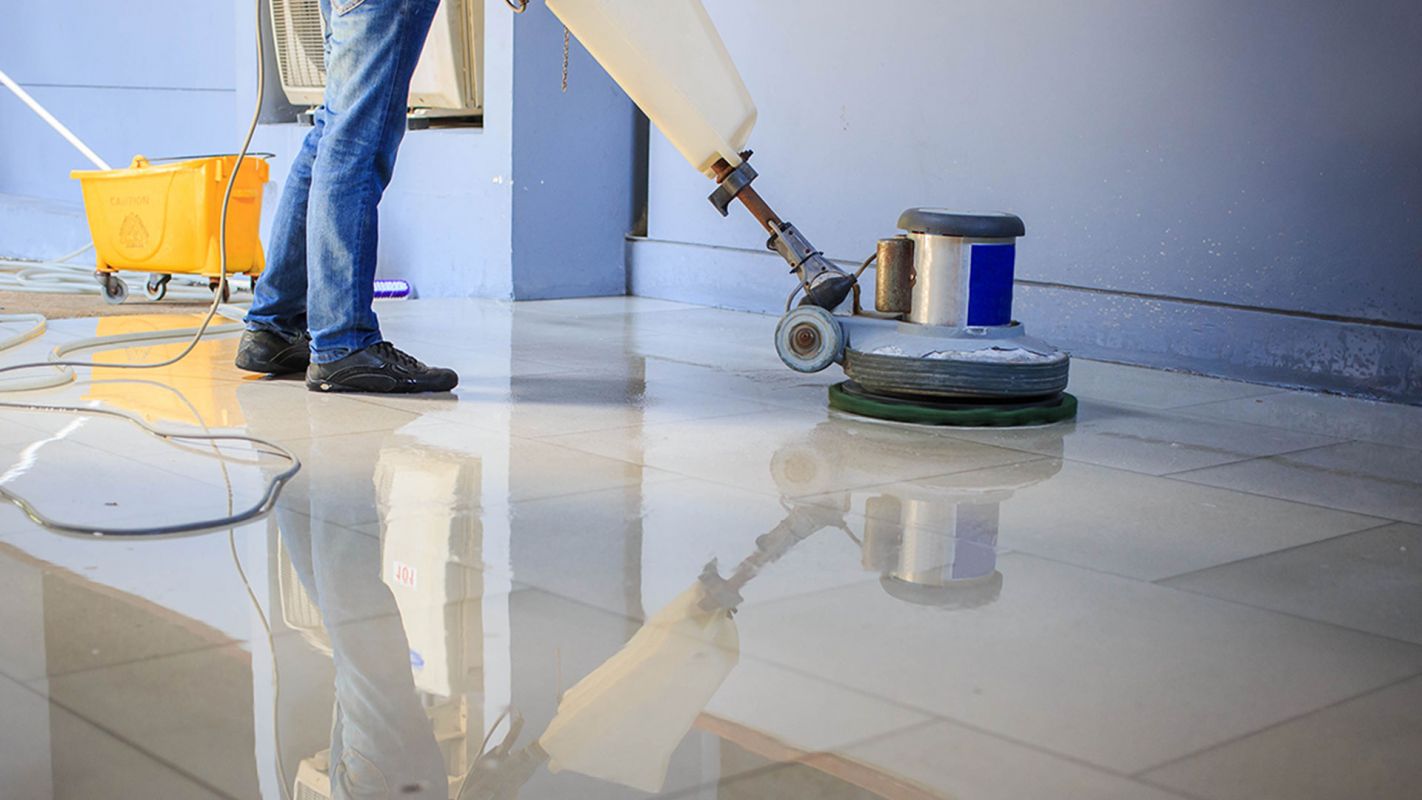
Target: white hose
[[59, 274], [64, 369]]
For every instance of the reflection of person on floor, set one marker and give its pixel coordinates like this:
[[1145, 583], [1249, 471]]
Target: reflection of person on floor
[[382, 744]]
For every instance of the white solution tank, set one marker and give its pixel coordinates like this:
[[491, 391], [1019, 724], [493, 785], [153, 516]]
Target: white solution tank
[[669, 58]]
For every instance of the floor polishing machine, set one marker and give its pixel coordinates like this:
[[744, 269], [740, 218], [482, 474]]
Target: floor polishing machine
[[939, 345]]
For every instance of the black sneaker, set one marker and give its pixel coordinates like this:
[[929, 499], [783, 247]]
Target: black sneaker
[[379, 369], [271, 354]]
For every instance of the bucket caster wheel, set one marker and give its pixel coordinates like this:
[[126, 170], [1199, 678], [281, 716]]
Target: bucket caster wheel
[[157, 286], [810, 339], [115, 290], [222, 287]]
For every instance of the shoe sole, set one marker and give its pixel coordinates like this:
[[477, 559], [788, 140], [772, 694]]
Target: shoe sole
[[329, 387]]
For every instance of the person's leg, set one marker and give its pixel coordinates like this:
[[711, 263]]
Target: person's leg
[[375, 45], [280, 302], [276, 340]]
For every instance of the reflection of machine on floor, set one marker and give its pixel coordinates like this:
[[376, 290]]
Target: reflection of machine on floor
[[932, 542], [941, 346], [931, 545], [431, 544]]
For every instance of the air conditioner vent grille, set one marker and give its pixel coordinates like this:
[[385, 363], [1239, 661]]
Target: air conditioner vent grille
[[300, 42], [446, 81]]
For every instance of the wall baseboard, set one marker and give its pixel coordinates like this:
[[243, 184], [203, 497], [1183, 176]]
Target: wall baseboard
[[35, 228], [1380, 361]]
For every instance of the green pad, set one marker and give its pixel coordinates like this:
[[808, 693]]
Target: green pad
[[849, 398]]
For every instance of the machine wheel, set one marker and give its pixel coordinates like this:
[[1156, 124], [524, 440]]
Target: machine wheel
[[809, 339], [218, 285], [115, 290], [157, 286]]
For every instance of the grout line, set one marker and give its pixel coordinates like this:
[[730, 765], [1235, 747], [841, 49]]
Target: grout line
[[1310, 504], [1296, 616], [81, 673], [1266, 390], [125, 741], [1262, 457], [1384, 523], [1307, 393], [1274, 726], [700, 789]]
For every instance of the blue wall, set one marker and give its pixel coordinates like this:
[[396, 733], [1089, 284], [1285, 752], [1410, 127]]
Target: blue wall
[[1207, 185], [573, 169], [154, 78]]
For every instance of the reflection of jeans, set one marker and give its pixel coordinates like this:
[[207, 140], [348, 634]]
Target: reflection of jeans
[[321, 264], [382, 742]]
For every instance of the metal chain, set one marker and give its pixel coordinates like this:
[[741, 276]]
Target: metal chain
[[520, 6], [567, 50]]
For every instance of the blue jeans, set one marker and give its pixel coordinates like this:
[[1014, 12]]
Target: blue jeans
[[320, 272]]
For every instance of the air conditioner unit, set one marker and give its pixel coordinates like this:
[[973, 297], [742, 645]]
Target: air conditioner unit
[[448, 80]]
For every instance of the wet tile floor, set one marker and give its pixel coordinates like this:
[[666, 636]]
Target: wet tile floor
[[633, 556]]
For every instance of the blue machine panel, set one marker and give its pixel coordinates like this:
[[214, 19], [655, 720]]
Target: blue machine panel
[[990, 284]]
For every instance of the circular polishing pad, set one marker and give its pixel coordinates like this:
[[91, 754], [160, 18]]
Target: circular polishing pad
[[853, 399]]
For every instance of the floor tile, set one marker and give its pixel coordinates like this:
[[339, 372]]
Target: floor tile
[[1153, 388], [192, 711], [1103, 519], [1120, 674], [793, 453], [1365, 747], [1151, 442], [1328, 415], [804, 713], [541, 405], [45, 751], [1367, 478], [283, 412], [75, 604], [774, 386], [950, 760], [1370, 581], [16, 426], [633, 550]]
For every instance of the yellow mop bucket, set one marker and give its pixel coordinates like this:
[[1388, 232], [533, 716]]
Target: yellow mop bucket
[[164, 218]]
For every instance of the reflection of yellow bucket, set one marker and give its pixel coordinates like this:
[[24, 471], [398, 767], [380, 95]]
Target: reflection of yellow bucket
[[164, 218], [168, 396]]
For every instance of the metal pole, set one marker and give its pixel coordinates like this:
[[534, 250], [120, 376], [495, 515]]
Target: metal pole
[[52, 122]]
